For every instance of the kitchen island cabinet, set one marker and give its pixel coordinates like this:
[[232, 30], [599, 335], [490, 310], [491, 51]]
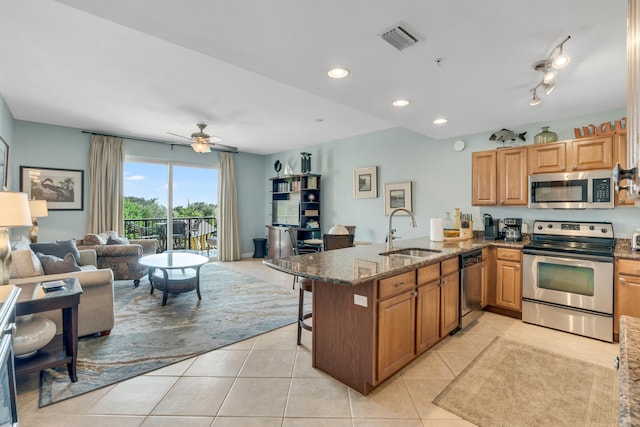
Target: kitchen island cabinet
[[374, 314], [627, 291]]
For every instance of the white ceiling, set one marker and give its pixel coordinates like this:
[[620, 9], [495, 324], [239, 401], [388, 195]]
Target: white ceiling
[[255, 70]]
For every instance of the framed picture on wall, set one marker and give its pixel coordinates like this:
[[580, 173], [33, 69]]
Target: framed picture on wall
[[396, 196], [4, 159], [61, 188], [365, 183]]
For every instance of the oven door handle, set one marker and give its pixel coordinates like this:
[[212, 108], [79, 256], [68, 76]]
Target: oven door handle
[[567, 255]]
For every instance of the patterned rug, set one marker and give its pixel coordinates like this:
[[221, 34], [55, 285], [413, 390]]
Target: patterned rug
[[148, 336], [513, 384]]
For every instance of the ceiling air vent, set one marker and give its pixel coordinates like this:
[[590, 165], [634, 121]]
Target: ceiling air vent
[[399, 37]]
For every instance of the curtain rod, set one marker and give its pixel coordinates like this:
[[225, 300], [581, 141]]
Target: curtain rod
[[155, 141]]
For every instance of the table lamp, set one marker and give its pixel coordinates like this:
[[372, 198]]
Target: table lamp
[[38, 209], [14, 212]]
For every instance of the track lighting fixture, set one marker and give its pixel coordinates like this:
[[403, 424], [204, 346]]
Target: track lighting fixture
[[556, 60]]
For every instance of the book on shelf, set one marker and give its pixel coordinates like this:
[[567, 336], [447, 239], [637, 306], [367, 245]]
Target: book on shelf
[[312, 183]]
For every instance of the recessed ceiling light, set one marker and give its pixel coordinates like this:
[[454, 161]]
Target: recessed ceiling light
[[338, 73], [440, 121], [401, 102]]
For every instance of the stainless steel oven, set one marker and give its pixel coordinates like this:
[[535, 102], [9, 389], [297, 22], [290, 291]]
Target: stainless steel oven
[[568, 278]]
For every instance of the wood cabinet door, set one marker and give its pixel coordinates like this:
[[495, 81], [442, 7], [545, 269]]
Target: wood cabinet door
[[449, 303], [512, 176], [427, 316], [396, 333], [484, 178], [591, 153], [547, 158], [627, 291], [509, 285]]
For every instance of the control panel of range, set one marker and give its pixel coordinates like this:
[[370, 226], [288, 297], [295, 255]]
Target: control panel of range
[[574, 228]]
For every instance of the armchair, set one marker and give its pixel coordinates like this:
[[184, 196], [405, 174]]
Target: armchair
[[123, 258]]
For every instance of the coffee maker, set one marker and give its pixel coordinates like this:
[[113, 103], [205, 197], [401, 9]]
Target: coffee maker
[[491, 228], [512, 230]]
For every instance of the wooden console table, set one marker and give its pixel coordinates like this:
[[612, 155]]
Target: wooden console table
[[63, 349]]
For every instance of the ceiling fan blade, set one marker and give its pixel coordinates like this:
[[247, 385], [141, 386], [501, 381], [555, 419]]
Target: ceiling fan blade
[[180, 136], [222, 147]]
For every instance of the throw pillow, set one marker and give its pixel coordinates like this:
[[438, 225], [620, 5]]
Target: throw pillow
[[54, 265], [59, 248], [23, 243], [117, 240], [24, 263], [94, 239]]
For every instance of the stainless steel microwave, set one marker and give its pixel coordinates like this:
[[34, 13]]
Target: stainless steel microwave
[[573, 190]]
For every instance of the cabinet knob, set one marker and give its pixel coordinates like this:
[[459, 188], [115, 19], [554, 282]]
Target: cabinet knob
[[563, 168], [575, 167], [397, 285], [443, 283], [415, 293], [622, 281], [616, 363]]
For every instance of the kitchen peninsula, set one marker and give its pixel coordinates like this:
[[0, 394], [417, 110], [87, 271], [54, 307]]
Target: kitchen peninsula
[[373, 314]]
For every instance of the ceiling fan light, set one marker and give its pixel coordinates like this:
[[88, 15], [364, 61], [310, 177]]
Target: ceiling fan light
[[201, 147], [401, 102]]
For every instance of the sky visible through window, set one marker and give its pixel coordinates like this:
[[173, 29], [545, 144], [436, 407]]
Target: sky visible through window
[[190, 184]]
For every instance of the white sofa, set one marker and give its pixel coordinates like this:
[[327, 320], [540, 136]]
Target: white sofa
[[96, 313]]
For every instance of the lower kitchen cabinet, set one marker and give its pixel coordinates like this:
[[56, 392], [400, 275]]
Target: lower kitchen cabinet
[[396, 333], [365, 333], [627, 291], [509, 279]]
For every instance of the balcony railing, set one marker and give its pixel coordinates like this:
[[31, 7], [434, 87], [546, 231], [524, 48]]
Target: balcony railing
[[192, 233]]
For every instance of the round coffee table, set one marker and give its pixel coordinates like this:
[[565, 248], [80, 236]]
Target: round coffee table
[[174, 272]]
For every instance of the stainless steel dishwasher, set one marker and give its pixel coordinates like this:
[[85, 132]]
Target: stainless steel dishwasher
[[471, 264]]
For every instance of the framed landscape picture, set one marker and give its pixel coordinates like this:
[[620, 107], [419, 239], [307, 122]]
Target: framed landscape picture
[[396, 196], [61, 188], [365, 183]]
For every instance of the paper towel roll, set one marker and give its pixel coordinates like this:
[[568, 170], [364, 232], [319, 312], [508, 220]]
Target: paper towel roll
[[436, 230]]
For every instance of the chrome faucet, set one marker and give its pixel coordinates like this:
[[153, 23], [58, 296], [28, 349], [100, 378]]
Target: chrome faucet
[[391, 230]]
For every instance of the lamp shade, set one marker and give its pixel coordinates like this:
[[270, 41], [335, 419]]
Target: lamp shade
[[14, 209], [338, 229], [38, 208]]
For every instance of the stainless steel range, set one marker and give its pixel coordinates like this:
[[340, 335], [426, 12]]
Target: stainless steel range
[[568, 277]]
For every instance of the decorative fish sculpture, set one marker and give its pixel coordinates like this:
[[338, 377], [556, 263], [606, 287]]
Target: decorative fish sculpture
[[507, 135]]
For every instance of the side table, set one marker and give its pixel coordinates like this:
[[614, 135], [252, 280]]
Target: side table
[[63, 349]]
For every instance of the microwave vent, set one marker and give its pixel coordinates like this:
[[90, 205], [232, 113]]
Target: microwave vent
[[399, 37]]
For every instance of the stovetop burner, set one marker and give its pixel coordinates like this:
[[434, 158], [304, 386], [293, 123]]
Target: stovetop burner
[[588, 238]]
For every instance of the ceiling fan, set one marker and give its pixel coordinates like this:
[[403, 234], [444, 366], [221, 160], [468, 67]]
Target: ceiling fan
[[203, 143]]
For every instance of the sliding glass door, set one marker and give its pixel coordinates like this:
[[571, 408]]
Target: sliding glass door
[[183, 195]]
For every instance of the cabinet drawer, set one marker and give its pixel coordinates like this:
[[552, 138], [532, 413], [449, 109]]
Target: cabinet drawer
[[396, 284], [428, 274], [509, 254], [449, 266], [627, 266]]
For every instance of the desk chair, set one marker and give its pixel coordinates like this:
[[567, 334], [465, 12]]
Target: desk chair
[[336, 241]]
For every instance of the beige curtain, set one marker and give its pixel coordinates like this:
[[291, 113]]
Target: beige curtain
[[106, 166], [228, 230]]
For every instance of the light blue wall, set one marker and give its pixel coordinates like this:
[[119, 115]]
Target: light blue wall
[[440, 176], [42, 145], [6, 130]]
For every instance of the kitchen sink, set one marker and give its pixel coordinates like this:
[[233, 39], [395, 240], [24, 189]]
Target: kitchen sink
[[414, 252]]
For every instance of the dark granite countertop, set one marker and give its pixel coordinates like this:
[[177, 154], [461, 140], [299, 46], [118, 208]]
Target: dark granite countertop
[[629, 371], [360, 264]]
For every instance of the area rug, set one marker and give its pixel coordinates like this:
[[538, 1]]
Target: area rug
[[148, 336], [512, 384]]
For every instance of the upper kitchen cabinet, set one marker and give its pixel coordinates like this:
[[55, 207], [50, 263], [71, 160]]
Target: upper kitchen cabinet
[[572, 156], [499, 177], [512, 176], [484, 177]]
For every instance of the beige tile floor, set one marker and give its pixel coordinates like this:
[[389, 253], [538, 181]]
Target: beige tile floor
[[268, 381]]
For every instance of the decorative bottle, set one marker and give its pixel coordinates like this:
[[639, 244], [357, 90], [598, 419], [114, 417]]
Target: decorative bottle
[[447, 223], [545, 136], [456, 220]]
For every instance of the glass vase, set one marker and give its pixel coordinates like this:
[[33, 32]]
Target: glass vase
[[545, 136]]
